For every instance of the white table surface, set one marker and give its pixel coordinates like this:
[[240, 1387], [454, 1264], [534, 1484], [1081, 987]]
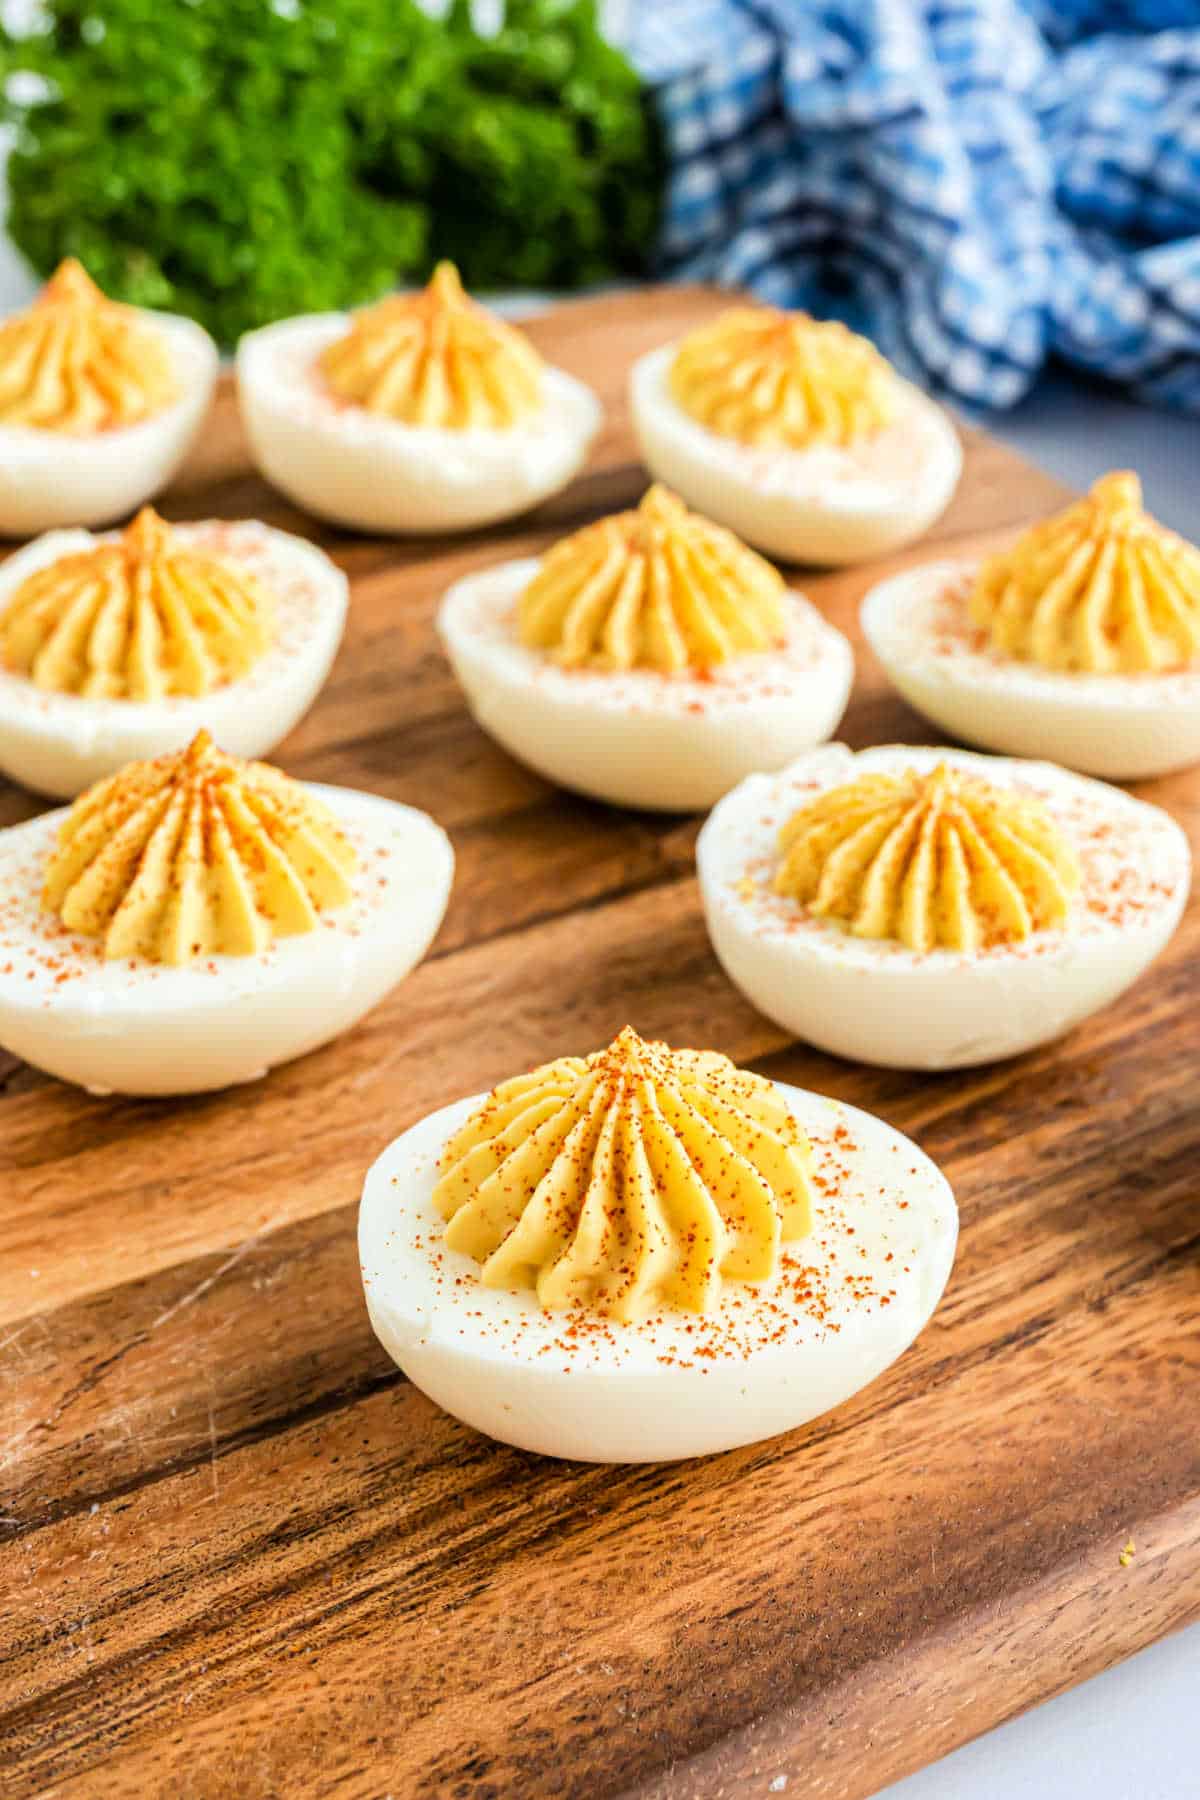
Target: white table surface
[[1129, 1734], [1078, 431]]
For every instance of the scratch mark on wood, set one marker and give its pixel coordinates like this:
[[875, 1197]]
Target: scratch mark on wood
[[231, 1261]]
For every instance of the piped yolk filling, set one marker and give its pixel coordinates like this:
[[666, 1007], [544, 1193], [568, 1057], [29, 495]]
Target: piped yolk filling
[[772, 378], [77, 363], [436, 359], [140, 619], [932, 861], [634, 1178], [1101, 588], [196, 853], [656, 588]]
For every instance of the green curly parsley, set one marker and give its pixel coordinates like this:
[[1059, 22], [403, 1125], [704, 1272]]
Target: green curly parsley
[[241, 160]]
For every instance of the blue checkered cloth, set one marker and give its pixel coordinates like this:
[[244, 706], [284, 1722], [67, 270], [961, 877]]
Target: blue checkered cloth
[[977, 184]]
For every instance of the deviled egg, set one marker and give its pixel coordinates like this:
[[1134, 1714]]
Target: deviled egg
[[119, 647], [1081, 642], [929, 909], [649, 1253], [796, 434], [99, 404], [196, 919], [650, 659], [424, 413]]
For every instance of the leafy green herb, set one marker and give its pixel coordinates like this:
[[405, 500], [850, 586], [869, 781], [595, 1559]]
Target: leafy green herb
[[240, 160]]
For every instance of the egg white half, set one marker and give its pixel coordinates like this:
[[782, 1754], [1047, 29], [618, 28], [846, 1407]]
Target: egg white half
[[1124, 727], [826, 504], [344, 463], [846, 1302], [640, 738], [879, 1002], [139, 1027], [60, 743], [50, 479]]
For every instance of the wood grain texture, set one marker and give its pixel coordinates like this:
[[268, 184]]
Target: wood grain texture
[[246, 1558]]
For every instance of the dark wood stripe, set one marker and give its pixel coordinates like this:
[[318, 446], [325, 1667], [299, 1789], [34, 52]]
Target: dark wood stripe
[[314, 1261]]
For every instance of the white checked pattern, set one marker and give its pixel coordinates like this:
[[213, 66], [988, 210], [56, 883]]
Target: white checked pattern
[[978, 184]]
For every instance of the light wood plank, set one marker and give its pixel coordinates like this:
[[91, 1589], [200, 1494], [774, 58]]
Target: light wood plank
[[249, 1558]]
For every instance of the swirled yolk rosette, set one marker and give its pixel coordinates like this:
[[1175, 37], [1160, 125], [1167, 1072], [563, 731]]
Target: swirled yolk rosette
[[1079, 643], [99, 404], [769, 377], [436, 358], [197, 854], [77, 363], [197, 918], [658, 587], [795, 433], [142, 618], [422, 413], [935, 909], [936, 860], [1101, 588], [649, 659], [649, 1253], [634, 1178]]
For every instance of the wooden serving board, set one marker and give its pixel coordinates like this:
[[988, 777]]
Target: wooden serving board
[[247, 1558]]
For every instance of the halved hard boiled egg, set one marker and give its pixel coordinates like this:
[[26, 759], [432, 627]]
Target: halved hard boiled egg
[[649, 1253], [424, 413], [929, 909], [196, 919], [1081, 642], [796, 434], [99, 404], [650, 659], [119, 647]]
